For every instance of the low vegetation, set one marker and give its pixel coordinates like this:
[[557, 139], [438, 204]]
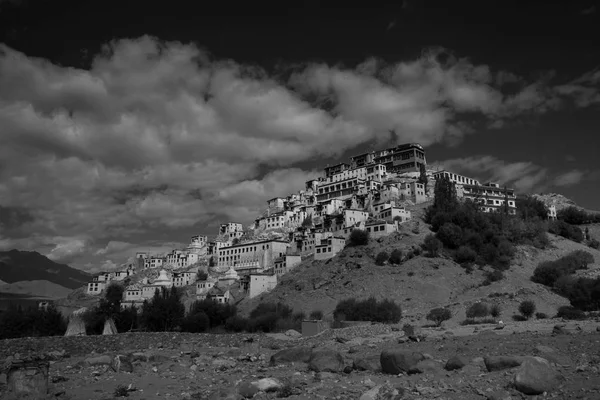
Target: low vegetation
[[385, 311], [358, 237], [439, 315], [527, 308], [17, 321]]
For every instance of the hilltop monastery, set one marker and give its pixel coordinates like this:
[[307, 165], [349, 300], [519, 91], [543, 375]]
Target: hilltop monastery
[[372, 192]]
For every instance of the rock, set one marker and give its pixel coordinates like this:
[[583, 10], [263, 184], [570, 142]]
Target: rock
[[395, 361], [456, 362], [536, 376], [2, 379], [426, 366], [100, 360], [294, 354], [293, 333], [381, 392], [499, 395], [561, 329], [223, 364], [224, 394], [121, 364], [56, 355], [371, 363], [158, 358], [352, 350], [247, 390], [268, 384], [549, 354], [203, 360], [498, 363], [326, 360], [325, 375]]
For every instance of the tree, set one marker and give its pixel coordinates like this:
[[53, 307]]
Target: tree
[[529, 207], [164, 312], [316, 315], [527, 308], [308, 222], [495, 311], [423, 176], [432, 245], [445, 195], [396, 257], [381, 258], [358, 237], [439, 315], [478, 310], [201, 275]]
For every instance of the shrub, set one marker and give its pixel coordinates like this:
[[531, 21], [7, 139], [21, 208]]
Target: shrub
[[541, 315], [358, 237], [236, 324], [201, 276], [217, 313], [316, 315], [439, 315], [493, 276], [495, 311], [164, 312], [527, 308], [594, 244], [568, 312], [451, 235], [381, 258], [396, 257], [385, 311], [548, 272], [575, 216], [473, 321], [566, 230], [478, 310], [432, 246], [195, 322], [18, 322], [465, 255]]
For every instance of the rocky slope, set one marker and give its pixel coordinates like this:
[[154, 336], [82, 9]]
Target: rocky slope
[[419, 284]]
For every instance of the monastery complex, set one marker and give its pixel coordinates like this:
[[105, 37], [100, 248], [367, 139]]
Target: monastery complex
[[373, 191]]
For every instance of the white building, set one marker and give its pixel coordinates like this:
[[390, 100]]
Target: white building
[[329, 247], [261, 283], [379, 229], [286, 263], [393, 214], [264, 253], [95, 288], [184, 278], [202, 287]]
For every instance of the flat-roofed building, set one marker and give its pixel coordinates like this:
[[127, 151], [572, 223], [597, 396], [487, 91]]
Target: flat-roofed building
[[264, 253]]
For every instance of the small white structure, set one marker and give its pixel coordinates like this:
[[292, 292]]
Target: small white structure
[[229, 278], [260, 283], [96, 287], [109, 327], [163, 279], [329, 247], [76, 325], [203, 287]]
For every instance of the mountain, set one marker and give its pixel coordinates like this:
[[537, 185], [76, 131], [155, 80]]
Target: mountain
[[16, 266], [39, 289]]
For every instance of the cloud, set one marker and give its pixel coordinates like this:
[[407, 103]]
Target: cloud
[[157, 138], [588, 11], [569, 178]]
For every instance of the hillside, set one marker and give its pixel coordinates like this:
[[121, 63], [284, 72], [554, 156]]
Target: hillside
[[38, 289], [419, 284], [16, 266]]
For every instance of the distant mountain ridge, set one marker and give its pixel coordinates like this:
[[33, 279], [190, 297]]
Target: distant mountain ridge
[[36, 289], [17, 266]]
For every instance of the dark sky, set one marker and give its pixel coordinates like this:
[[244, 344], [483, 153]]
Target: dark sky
[[545, 139]]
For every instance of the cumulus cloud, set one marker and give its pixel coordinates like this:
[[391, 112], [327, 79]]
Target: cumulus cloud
[[159, 137], [569, 178]]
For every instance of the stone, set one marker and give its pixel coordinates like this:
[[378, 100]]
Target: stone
[[456, 362], [100, 360], [224, 394], [223, 364], [326, 360], [294, 354], [371, 363], [551, 355], [293, 333], [395, 361], [536, 376], [498, 363], [380, 392], [268, 384], [28, 378], [2, 379], [499, 395], [121, 364], [247, 390], [158, 358], [426, 366], [561, 329], [56, 355]]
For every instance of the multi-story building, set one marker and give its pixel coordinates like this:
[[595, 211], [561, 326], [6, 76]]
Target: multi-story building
[[184, 278], [329, 247], [202, 287], [286, 263], [456, 178], [263, 253], [380, 228], [231, 230], [490, 196], [96, 287], [260, 283], [394, 214]]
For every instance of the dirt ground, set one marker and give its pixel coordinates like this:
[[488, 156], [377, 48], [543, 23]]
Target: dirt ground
[[206, 366]]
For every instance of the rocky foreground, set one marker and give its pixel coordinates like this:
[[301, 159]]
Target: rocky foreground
[[552, 359]]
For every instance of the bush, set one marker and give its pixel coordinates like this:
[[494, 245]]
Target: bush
[[527, 308], [164, 312], [566, 230], [432, 246], [541, 315], [568, 312], [358, 237], [493, 276], [316, 315], [465, 255], [575, 216], [548, 272], [478, 310], [381, 258], [195, 322], [385, 311], [236, 324], [396, 257], [217, 313], [451, 235], [495, 311], [18, 322], [594, 244], [439, 315], [474, 321]]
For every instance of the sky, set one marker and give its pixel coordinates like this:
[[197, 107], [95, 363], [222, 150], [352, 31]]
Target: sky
[[130, 126]]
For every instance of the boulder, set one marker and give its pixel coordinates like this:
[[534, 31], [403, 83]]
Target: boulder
[[371, 363], [121, 364], [456, 362], [551, 355], [395, 361], [379, 392], [326, 360], [498, 363], [499, 395], [224, 394], [562, 329], [294, 354], [268, 384], [536, 376], [223, 364], [100, 360], [293, 333], [426, 366], [247, 390]]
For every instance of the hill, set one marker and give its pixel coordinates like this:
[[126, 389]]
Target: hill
[[16, 266], [37, 289], [420, 283]]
